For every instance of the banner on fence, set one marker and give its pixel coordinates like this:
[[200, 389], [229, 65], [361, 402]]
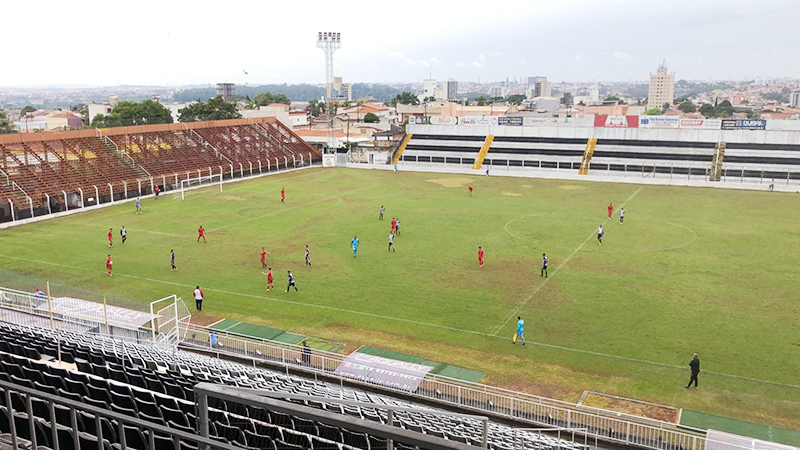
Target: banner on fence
[[383, 371], [744, 124], [606, 121], [704, 124], [658, 122], [783, 125], [541, 121], [328, 160], [511, 121], [443, 120], [474, 120]]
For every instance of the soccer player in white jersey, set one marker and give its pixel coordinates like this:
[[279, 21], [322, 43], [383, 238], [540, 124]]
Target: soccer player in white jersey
[[600, 235]]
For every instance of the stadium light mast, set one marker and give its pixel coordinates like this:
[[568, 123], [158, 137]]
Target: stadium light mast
[[329, 42]]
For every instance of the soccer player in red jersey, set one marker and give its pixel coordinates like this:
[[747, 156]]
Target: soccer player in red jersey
[[610, 210], [283, 195], [110, 237], [157, 190], [393, 224], [470, 191], [270, 286], [480, 256], [263, 258], [201, 233], [108, 265]]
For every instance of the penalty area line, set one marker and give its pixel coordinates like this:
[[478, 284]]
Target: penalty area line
[[516, 310]]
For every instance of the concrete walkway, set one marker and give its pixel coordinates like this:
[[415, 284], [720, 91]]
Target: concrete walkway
[[599, 176]]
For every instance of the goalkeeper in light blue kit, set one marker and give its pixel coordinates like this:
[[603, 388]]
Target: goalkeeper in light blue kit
[[520, 333], [354, 243]]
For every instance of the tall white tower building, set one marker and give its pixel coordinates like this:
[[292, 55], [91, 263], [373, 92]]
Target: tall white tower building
[[662, 88]]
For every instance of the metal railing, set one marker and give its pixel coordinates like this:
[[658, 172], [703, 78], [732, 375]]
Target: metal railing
[[37, 429], [38, 310], [205, 143], [598, 423]]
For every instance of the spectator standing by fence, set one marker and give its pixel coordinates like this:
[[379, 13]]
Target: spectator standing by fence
[[306, 352]]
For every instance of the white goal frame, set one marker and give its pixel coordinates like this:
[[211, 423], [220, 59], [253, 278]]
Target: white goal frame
[[206, 180]]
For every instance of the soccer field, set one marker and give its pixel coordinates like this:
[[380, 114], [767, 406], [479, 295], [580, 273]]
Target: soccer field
[[712, 271]]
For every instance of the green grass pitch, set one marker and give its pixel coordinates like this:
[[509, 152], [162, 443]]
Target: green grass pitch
[[711, 271]]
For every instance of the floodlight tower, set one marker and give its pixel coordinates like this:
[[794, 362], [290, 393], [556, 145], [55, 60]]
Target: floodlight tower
[[329, 42]]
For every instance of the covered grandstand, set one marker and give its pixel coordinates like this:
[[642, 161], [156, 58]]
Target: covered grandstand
[[45, 173], [715, 156]]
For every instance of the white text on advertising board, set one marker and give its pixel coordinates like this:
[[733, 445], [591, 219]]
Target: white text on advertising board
[[744, 124], [658, 122], [474, 120], [512, 121], [709, 124]]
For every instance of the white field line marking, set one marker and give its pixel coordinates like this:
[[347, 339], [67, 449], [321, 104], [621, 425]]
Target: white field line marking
[[516, 310], [293, 208], [228, 328], [331, 308], [306, 305], [212, 325]]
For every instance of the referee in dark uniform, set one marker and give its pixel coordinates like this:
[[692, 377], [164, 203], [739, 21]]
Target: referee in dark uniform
[[694, 364]]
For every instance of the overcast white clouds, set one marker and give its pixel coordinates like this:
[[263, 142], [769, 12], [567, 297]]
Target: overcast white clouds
[[182, 42]]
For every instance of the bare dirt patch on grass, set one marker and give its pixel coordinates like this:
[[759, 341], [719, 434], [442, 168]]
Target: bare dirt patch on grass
[[512, 194], [205, 321], [453, 182], [634, 407], [571, 187]]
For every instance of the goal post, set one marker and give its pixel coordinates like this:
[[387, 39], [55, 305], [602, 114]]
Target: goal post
[[206, 180]]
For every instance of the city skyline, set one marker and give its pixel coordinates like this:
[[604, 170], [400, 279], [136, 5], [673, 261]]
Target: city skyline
[[175, 44]]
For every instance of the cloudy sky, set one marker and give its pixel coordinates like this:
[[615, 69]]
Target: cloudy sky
[[175, 42]]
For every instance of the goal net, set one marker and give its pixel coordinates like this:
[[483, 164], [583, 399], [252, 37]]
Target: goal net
[[193, 183]]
